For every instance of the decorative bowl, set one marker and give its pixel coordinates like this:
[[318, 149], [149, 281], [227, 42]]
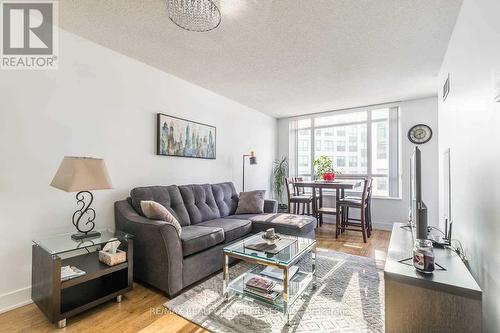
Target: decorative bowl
[[271, 240]]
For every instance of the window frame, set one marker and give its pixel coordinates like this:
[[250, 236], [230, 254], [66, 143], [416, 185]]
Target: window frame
[[394, 173]]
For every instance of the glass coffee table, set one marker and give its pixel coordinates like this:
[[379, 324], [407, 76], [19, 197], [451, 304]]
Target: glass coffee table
[[253, 250]]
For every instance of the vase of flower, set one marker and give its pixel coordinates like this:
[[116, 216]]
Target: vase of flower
[[329, 176], [323, 167]]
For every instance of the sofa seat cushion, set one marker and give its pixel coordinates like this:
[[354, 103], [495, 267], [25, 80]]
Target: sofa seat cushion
[[195, 238], [233, 228], [242, 216], [288, 224]]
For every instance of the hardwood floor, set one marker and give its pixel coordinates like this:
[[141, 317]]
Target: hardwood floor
[[142, 310]]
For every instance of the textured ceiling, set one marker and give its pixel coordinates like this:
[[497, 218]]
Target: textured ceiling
[[284, 57]]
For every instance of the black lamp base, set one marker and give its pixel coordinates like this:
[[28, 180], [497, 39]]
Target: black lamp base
[[82, 235]]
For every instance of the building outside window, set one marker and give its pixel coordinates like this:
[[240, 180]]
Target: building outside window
[[303, 161], [317, 145], [353, 144], [364, 162], [303, 145], [360, 142], [328, 145], [381, 140], [340, 145]]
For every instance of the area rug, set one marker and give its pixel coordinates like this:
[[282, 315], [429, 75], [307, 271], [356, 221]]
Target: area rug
[[349, 297]]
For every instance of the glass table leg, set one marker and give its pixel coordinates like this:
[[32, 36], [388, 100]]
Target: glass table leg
[[285, 295], [313, 268], [225, 277]]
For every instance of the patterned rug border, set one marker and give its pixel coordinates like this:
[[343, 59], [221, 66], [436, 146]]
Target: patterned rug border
[[321, 253]]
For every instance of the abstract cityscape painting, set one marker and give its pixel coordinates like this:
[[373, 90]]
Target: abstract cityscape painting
[[185, 138]]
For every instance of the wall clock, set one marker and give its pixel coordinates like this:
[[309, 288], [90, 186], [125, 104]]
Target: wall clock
[[420, 134]]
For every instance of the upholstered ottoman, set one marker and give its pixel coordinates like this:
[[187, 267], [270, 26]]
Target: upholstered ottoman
[[288, 224]]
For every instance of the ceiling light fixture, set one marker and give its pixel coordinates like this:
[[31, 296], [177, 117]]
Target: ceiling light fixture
[[194, 15]]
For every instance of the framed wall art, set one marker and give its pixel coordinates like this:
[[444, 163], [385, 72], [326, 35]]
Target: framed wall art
[[185, 138]]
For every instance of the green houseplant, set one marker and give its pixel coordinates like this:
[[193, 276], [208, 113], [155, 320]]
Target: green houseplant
[[323, 167], [280, 172]]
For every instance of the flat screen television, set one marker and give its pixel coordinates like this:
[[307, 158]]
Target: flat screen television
[[418, 209]]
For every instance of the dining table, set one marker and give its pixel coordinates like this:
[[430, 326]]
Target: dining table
[[339, 185]]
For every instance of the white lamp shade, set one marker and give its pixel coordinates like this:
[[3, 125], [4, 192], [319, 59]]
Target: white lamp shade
[[81, 174]]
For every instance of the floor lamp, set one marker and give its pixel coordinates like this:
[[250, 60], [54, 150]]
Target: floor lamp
[[253, 161]]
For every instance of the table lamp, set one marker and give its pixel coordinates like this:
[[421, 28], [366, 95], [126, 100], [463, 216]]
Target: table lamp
[[253, 161], [82, 175]]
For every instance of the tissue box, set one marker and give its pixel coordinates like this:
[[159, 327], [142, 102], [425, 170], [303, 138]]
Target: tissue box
[[112, 259]]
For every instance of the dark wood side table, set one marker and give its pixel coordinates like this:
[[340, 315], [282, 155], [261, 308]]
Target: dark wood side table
[[59, 300]]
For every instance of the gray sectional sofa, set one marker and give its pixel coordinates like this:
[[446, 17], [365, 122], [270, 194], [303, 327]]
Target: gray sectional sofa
[[206, 213]]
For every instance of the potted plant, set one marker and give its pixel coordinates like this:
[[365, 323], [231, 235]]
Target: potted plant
[[280, 172], [323, 166]]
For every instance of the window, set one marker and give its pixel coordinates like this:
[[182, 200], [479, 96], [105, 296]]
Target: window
[[328, 145], [382, 184], [303, 161], [364, 163], [381, 140], [341, 145], [328, 132], [317, 145], [303, 145], [361, 142], [304, 148], [353, 144]]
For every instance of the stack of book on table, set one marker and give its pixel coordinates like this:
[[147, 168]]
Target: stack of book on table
[[277, 273], [262, 287]]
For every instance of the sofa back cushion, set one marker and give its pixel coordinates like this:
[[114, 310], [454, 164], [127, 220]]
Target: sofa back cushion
[[200, 203], [251, 202], [226, 198], [168, 196]]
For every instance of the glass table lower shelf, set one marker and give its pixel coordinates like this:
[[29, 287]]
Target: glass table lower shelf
[[282, 255], [298, 283]]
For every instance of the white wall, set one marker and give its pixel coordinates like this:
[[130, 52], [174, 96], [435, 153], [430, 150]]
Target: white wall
[[387, 211], [104, 104], [469, 123]]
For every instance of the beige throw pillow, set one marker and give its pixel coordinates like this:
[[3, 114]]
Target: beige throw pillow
[[251, 202], [155, 211]]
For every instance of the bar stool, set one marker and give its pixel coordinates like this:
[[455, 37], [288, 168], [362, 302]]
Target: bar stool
[[363, 204], [297, 198]]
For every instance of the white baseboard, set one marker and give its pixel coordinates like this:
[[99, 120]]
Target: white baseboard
[[15, 299], [383, 225]]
